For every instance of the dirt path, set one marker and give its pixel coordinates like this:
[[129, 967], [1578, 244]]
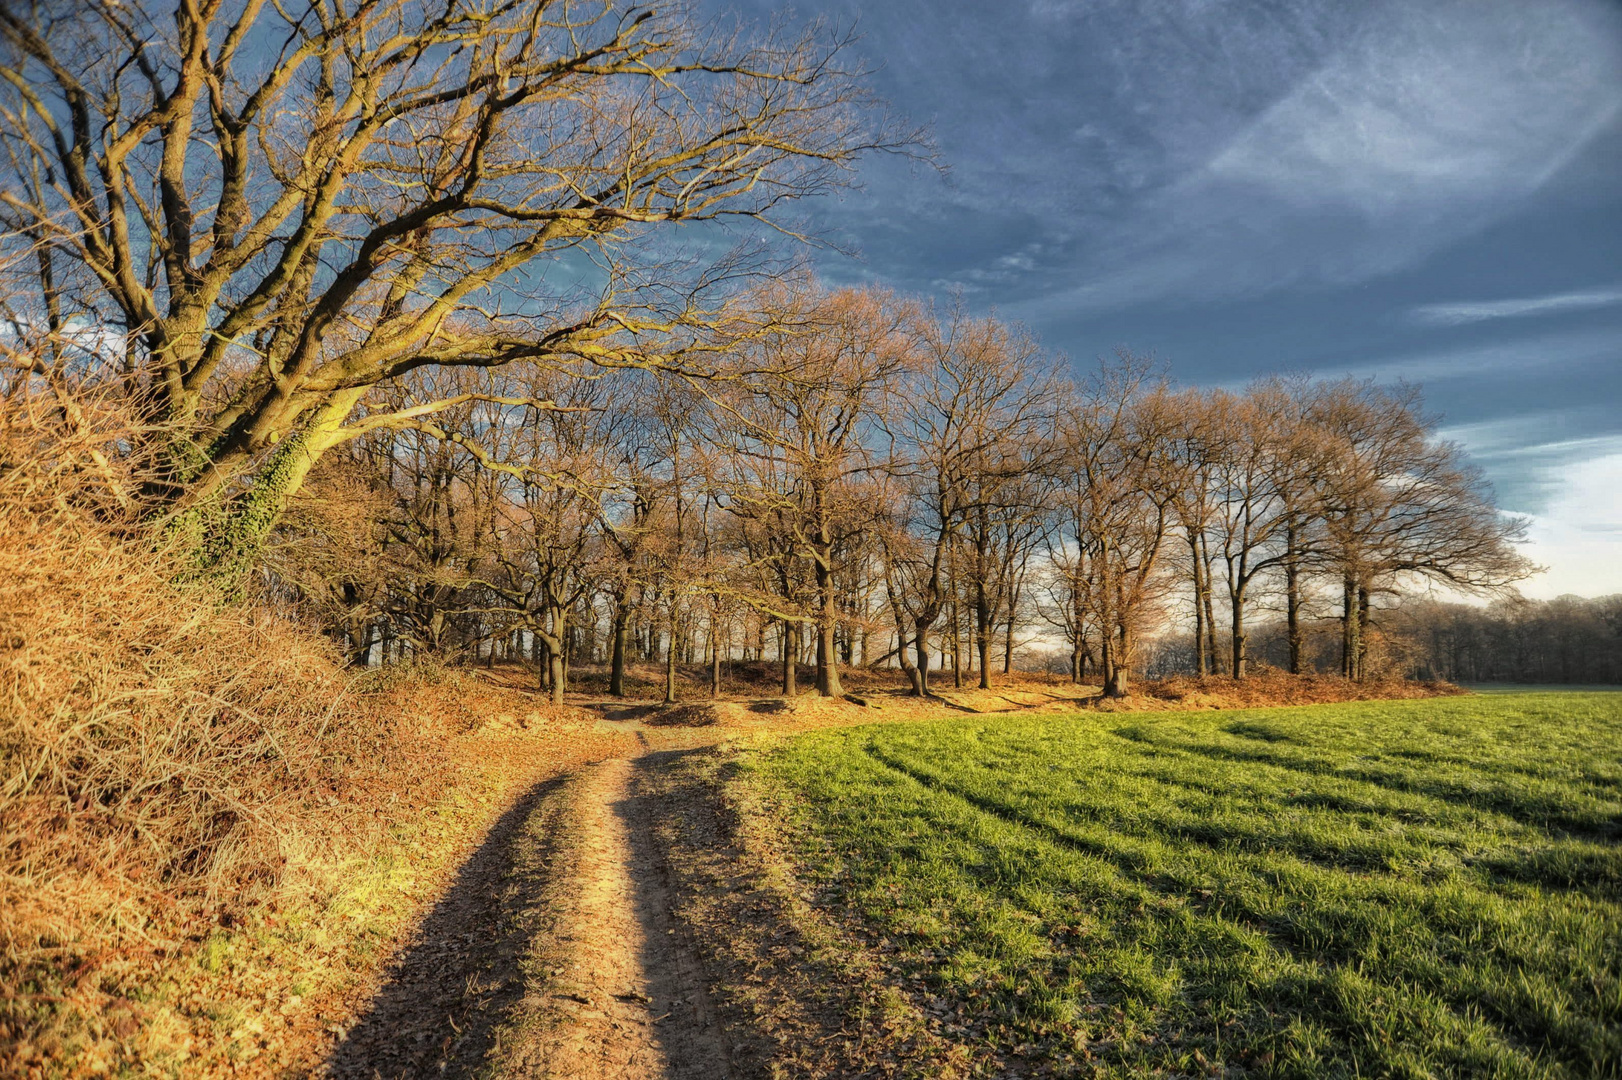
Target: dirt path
[[554, 954], [445, 997], [627, 990]]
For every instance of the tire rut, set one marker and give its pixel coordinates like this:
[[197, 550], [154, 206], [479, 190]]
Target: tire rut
[[627, 995], [556, 953]]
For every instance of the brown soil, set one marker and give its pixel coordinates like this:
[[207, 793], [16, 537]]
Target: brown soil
[[438, 1011], [797, 994], [555, 953], [617, 990]]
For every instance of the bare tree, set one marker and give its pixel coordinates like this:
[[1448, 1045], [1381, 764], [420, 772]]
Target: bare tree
[[961, 422], [1118, 448], [277, 207], [1266, 457], [1196, 452], [1397, 503], [801, 423], [547, 556]]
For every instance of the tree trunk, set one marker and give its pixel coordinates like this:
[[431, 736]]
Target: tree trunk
[[1362, 633], [557, 647], [1204, 570], [1106, 662], [828, 684], [791, 658], [616, 663], [1115, 666], [1239, 658], [558, 672], [1350, 646], [827, 628], [1292, 599], [921, 671], [982, 631], [908, 667], [670, 663], [715, 647], [1200, 668], [957, 646], [360, 646]]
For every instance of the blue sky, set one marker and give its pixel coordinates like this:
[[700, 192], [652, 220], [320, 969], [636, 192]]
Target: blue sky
[[1424, 190]]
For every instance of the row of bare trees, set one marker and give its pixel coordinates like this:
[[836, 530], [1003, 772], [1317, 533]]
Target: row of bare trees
[[870, 481], [425, 259]]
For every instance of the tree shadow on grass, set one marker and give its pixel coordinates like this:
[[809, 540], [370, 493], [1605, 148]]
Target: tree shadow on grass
[[445, 997], [1525, 807]]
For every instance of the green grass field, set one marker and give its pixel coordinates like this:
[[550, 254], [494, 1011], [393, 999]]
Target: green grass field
[[1409, 889]]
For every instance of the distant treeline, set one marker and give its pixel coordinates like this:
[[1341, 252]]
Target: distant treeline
[[1566, 640]]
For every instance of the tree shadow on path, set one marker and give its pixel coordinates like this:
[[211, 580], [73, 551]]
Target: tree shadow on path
[[445, 997]]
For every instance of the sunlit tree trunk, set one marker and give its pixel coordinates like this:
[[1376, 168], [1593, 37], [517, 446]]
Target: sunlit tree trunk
[[1351, 645], [1292, 598], [791, 658]]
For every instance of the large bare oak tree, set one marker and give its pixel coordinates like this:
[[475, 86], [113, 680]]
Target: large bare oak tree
[[261, 211]]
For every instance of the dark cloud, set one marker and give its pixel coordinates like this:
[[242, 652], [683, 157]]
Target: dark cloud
[[1397, 189]]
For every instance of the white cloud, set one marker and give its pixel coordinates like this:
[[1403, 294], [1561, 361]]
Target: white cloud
[[1459, 312], [1579, 537]]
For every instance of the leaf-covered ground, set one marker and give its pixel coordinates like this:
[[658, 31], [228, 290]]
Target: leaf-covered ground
[[1409, 888]]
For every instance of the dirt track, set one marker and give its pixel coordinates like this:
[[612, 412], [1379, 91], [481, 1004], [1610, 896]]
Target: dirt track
[[554, 954], [627, 996]]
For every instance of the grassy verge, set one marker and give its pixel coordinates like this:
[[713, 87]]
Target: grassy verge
[[271, 992], [1416, 888], [798, 994]]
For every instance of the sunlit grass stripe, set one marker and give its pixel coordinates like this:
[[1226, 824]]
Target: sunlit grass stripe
[[1344, 917], [1572, 813], [1368, 1011], [1415, 826]]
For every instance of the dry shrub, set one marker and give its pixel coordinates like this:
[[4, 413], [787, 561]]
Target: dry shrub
[[168, 760]]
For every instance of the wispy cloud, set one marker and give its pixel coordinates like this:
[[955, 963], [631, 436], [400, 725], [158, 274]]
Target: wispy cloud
[[1440, 101], [1370, 151], [1546, 353], [1454, 314], [1438, 121]]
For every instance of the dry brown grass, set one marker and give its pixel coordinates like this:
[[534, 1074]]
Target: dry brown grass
[[1265, 686], [167, 761]]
